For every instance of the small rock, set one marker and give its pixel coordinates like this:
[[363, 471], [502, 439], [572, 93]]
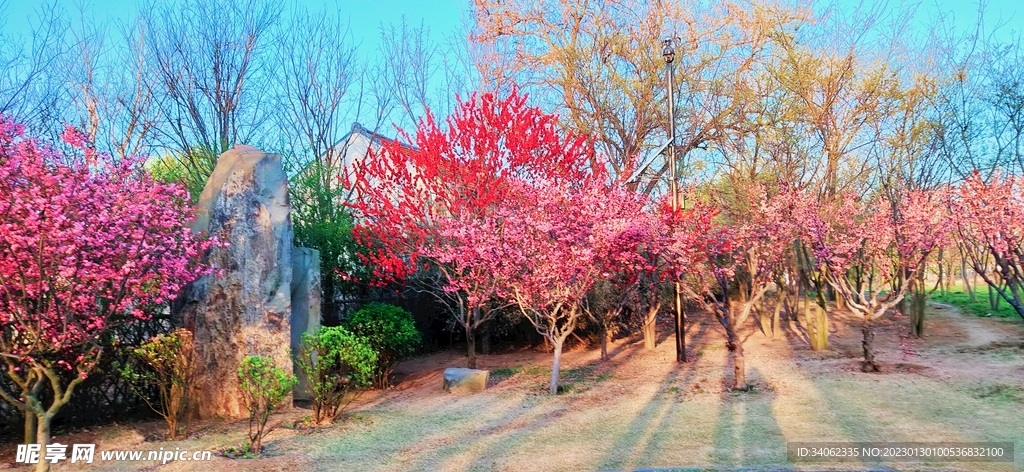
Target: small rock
[[462, 380]]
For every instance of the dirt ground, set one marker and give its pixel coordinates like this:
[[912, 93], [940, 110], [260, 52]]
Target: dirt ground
[[962, 382]]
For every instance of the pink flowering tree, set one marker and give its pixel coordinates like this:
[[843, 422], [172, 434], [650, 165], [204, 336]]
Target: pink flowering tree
[[990, 223], [924, 227], [85, 245], [761, 235], [699, 257], [543, 253], [862, 246], [632, 273], [464, 251]]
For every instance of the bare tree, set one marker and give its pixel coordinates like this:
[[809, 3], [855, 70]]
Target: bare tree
[[31, 83], [838, 80], [980, 103], [1006, 98], [407, 66], [600, 65], [318, 71], [211, 75], [110, 99]]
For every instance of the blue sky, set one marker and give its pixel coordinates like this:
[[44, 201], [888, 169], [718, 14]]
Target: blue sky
[[443, 17], [1008, 14]]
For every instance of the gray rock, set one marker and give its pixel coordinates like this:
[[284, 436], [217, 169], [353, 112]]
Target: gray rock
[[245, 306], [462, 380], [305, 306]]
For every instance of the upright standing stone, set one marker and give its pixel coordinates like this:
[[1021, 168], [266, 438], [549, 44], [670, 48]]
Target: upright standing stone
[[305, 306], [244, 307]]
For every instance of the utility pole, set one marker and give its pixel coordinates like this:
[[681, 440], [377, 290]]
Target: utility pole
[[668, 51]]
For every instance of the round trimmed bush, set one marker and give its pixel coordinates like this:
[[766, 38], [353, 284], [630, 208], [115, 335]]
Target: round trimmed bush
[[391, 333]]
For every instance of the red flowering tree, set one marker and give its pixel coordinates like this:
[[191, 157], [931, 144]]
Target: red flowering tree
[[863, 246], [990, 223], [85, 245], [460, 168]]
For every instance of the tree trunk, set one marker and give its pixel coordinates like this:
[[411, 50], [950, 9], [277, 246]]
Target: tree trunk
[[556, 365], [606, 335], [896, 285], [43, 438], [869, 364], [918, 298], [739, 368], [485, 339], [812, 324], [761, 315], [775, 320], [650, 328], [942, 274], [648, 333], [680, 325], [993, 299], [817, 325], [963, 273], [822, 328], [470, 347], [919, 304], [950, 276], [30, 428]]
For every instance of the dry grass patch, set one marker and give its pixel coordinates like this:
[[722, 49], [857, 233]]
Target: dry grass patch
[[642, 410]]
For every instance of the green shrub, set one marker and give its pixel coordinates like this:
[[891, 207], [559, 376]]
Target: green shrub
[[391, 333], [338, 364], [190, 168], [168, 362], [263, 385]]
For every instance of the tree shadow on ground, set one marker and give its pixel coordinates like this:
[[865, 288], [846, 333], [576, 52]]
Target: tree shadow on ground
[[641, 439], [747, 431]]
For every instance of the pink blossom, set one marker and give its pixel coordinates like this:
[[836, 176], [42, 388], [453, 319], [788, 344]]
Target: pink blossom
[[84, 246]]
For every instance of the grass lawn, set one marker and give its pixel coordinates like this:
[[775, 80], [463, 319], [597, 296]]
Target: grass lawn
[[641, 410], [980, 306]]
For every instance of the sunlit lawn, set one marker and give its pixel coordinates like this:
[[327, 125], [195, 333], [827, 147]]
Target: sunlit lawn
[[641, 410], [980, 306]]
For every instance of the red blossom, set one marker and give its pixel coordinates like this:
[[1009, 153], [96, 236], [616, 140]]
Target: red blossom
[[462, 169]]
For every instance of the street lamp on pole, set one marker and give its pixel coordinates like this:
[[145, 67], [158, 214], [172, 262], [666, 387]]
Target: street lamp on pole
[[668, 51]]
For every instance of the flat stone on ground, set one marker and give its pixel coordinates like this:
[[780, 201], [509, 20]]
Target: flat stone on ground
[[462, 380]]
